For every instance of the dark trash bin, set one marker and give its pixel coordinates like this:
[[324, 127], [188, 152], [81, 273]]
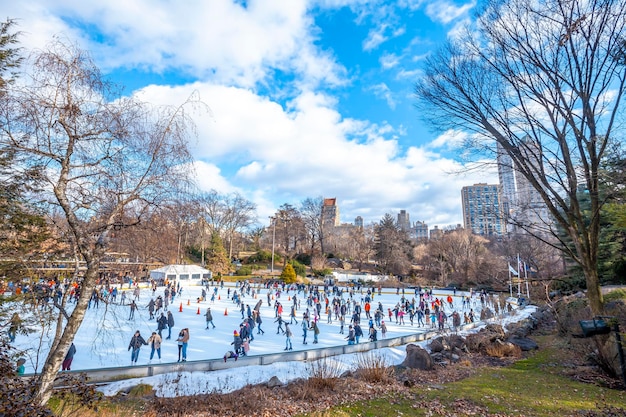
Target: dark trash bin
[[594, 327]]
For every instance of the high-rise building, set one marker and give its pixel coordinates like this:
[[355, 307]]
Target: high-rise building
[[436, 232], [483, 211], [421, 230], [358, 221], [522, 202], [403, 221], [330, 213]]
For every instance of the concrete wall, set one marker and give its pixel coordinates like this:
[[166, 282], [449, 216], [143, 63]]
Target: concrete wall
[[115, 374]]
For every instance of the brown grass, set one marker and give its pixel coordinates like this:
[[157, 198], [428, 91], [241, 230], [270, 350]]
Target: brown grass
[[504, 350], [374, 367], [323, 374]]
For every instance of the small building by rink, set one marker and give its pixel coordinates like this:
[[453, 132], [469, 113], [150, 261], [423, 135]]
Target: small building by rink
[[187, 275]]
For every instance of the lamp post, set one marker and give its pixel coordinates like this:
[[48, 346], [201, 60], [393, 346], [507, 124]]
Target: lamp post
[[273, 240]]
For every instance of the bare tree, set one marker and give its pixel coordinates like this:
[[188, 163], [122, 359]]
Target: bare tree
[[361, 244], [240, 214], [98, 154], [226, 214], [289, 230], [311, 211], [544, 82]]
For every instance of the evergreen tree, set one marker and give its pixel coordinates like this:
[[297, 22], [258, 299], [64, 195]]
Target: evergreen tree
[[288, 274], [392, 247], [22, 228], [217, 259]]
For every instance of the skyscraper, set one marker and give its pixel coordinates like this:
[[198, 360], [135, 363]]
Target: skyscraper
[[523, 205], [483, 211], [358, 221], [330, 213], [403, 221]]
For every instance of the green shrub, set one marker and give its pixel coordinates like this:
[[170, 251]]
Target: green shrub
[[244, 270], [299, 268], [288, 274]]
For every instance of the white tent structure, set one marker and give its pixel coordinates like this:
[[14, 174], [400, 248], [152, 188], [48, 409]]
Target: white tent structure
[[185, 274]]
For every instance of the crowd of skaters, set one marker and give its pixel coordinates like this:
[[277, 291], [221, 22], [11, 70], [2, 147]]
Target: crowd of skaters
[[349, 308], [349, 304]]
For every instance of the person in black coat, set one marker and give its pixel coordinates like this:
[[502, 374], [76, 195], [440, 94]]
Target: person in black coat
[[170, 324], [161, 324], [358, 332], [135, 344], [259, 321]]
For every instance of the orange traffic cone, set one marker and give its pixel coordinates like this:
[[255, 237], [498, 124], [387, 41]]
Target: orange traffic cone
[[198, 310], [272, 297], [289, 298], [219, 297], [187, 301], [226, 312], [181, 307]]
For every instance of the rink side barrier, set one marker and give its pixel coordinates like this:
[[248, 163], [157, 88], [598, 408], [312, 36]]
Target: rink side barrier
[[105, 375]]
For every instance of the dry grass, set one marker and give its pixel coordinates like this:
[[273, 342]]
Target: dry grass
[[323, 374], [141, 390], [372, 366], [504, 350]]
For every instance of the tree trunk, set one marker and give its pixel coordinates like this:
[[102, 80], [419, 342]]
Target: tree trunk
[[57, 355], [594, 291]]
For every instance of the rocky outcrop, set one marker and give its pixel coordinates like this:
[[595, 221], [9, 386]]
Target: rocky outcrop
[[523, 343], [493, 340], [417, 358], [274, 382]]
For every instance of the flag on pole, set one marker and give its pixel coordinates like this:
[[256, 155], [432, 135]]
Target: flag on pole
[[513, 271]]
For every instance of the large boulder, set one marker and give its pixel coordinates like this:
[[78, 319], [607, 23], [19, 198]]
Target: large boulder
[[456, 342], [478, 342], [274, 382], [417, 358], [524, 343], [437, 345], [494, 329]]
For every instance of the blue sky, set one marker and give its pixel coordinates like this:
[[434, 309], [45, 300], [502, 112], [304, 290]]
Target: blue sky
[[307, 98]]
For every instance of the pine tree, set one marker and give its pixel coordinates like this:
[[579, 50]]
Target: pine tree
[[217, 259], [288, 274]]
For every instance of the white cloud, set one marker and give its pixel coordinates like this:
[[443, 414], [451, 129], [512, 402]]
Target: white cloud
[[388, 60], [450, 140], [208, 177], [383, 92], [375, 37], [217, 40], [445, 12], [308, 149]]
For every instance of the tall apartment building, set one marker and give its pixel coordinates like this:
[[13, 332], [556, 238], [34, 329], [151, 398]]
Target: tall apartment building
[[358, 221], [403, 221], [421, 230], [436, 232], [483, 211], [522, 202], [330, 213]]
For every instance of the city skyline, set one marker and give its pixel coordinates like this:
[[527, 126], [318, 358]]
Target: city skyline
[[305, 98]]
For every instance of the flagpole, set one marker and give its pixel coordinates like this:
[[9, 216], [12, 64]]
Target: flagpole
[[526, 278], [519, 277], [510, 281]]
